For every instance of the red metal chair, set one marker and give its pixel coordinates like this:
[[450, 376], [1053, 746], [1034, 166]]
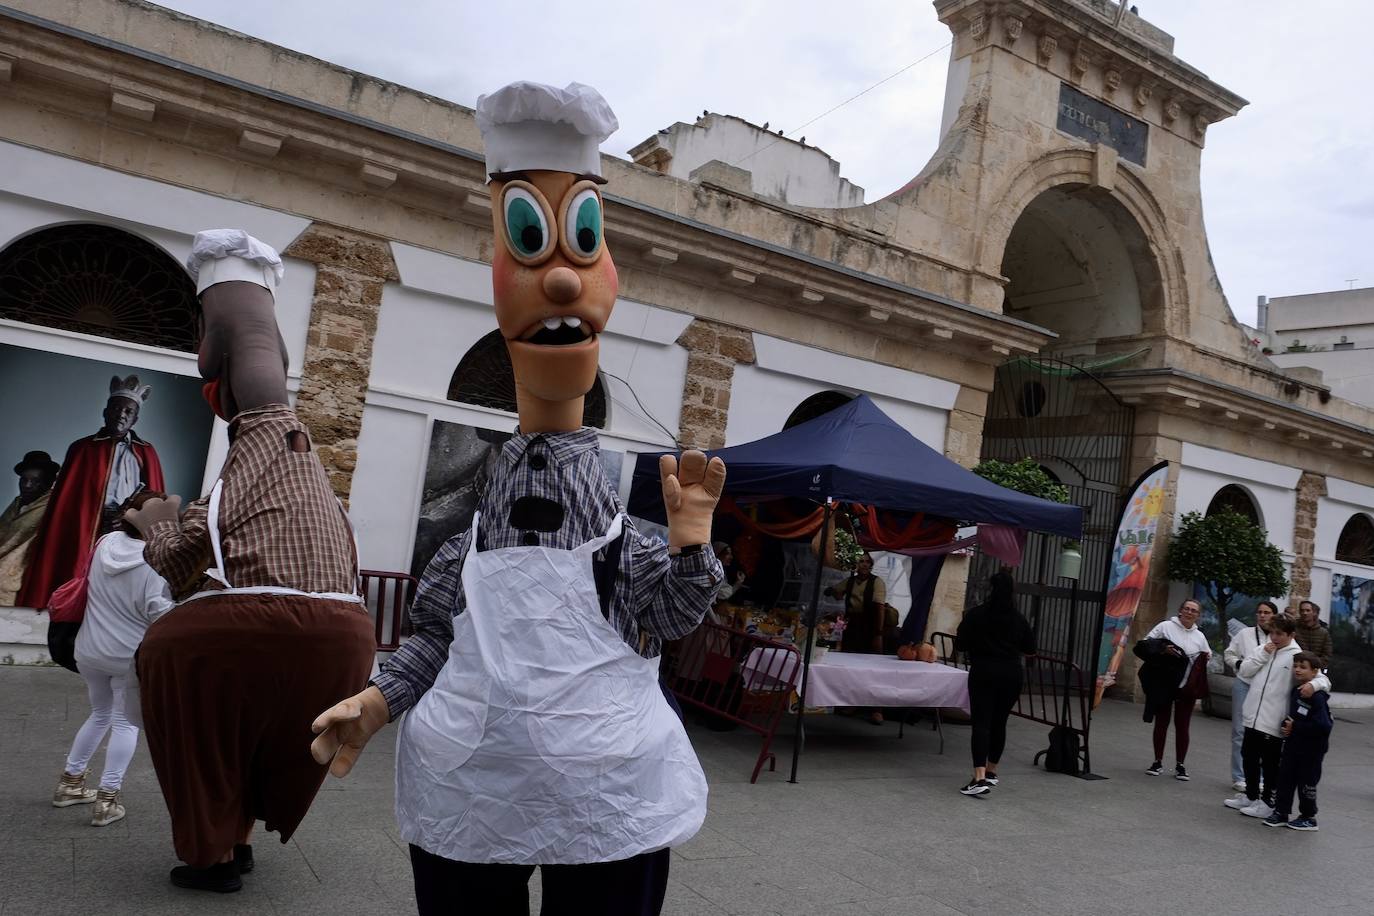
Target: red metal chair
[[388, 596]]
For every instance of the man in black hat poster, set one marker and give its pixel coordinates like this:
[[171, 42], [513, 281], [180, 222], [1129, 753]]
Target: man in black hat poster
[[19, 521]]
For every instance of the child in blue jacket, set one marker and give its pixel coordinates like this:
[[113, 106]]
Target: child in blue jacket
[[1306, 732]]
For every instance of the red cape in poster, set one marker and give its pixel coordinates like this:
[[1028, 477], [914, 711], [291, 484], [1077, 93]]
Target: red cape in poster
[[69, 527]]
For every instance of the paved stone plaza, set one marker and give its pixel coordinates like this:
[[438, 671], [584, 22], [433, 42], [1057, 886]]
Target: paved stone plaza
[[874, 827]]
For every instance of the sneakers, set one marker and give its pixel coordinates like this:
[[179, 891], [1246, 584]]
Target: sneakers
[[108, 808], [1154, 769], [1238, 785], [1303, 823], [977, 787], [71, 790], [1237, 801], [1276, 820], [222, 878], [992, 780], [1257, 808], [1181, 774]]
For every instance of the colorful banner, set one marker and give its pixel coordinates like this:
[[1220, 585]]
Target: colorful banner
[[1135, 543], [1352, 634]]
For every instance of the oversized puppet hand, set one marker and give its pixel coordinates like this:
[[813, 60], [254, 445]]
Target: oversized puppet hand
[[345, 728], [691, 489], [154, 511]]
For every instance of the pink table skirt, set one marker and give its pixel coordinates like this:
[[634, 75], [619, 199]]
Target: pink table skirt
[[853, 679]]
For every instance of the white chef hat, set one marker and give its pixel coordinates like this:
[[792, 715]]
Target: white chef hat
[[532, 126], [220, 255]]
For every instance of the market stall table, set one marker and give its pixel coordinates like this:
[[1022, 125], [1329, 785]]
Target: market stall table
[[856, 679]]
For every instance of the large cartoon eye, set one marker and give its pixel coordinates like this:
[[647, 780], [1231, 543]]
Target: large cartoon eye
[[527, 227], [581, 240]]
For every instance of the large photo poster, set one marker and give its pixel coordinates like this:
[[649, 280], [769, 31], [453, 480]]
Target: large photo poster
[[1352, 634], [78, 437], [461, 461]]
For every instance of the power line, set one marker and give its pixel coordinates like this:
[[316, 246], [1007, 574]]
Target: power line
[[782, 135]]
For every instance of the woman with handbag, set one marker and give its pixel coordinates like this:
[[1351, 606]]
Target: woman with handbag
[[1187, 642], [123, 595]]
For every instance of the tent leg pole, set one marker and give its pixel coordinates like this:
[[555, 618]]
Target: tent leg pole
[[812, 615]]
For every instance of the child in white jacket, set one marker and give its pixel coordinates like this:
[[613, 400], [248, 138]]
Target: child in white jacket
[[124, 596], [1269, 670]]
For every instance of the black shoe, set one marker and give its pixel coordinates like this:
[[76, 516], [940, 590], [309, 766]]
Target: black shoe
[[243, 858], [1155, 769], [1181, 774], [222, 878], [976, 787], [992, 780]]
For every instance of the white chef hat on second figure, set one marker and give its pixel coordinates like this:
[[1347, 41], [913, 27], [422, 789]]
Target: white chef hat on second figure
[[221, 255], [528, 126]]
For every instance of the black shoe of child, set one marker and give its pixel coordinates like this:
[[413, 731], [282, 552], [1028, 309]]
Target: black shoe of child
[[1154, 769], [1181, 774], [243, 857], [976, 787], [222, 878]]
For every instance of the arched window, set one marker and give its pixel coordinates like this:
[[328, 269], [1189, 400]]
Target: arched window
[[99, 280], [484, 377], [1356, 543], [1237, 500], [821, 402]]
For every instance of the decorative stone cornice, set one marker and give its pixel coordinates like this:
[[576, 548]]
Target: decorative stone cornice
[[1097, 42]]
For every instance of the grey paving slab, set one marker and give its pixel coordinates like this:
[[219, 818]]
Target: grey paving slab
[[874, 826]]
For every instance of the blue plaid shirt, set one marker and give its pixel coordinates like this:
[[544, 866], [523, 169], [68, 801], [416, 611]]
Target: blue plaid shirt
[[654, 597]]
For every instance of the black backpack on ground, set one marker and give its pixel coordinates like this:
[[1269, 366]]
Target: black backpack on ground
[[1062, 754]]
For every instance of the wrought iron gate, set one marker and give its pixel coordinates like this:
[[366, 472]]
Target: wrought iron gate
[[1059, 413]]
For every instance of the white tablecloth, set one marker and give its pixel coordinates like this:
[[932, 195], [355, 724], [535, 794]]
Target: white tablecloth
[[853, 679]]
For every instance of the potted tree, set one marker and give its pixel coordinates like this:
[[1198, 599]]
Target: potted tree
[[1228, 555]]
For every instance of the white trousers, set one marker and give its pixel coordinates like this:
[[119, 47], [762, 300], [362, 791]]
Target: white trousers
[[107, 693]]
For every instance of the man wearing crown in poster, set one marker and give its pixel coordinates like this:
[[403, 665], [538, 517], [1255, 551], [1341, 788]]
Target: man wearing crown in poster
[[98, 474]]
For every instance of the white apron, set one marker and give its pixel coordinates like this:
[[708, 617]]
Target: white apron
[[545, 738]]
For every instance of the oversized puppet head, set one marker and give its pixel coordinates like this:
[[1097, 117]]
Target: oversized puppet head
[[552, 277], [242, 355]]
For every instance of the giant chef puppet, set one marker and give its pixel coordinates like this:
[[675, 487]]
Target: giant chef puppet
[[537, 733], [233, 676]]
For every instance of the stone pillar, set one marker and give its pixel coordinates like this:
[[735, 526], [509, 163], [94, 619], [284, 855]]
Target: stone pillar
[[351, 270], [713, 351], [1311, 488], [964, 444]]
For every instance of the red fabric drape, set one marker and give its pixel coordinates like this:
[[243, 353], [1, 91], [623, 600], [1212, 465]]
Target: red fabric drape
[[876, 533]]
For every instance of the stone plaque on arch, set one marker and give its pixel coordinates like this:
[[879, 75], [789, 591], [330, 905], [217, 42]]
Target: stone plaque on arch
[[1082, 116]]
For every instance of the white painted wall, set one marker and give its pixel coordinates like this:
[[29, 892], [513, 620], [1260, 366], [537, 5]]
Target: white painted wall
[[785, 374], [1204, 471]]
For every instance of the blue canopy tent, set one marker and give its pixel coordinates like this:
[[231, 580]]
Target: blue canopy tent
[[857, 453]]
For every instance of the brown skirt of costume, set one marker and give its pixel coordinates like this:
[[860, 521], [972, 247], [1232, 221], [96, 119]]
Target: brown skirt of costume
[[230, 686]]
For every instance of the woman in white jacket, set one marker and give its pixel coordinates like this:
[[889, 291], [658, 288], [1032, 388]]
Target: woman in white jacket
[[124, 596], [1242, 644], [1181, 630]]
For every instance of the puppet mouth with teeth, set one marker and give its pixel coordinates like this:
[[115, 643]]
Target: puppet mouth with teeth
[[559, 331]]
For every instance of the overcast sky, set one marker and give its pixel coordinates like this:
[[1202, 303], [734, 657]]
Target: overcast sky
[[1287, 186]]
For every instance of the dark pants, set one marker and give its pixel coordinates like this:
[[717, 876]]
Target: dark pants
[[1183, 718], [1300, 769], [1259, 756], [630, 887], [992, 694]]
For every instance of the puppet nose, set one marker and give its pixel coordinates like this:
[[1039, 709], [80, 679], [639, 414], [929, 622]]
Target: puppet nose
[[562, 285]]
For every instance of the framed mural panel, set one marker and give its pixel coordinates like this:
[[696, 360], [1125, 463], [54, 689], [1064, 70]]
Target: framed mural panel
[[1352, 633], [80, 436]]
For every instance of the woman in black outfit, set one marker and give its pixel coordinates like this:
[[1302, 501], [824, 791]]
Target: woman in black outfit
[[994, 635]]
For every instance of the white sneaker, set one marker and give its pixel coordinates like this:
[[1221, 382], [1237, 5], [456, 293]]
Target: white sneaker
[[1237, 801], [1238, 785], [1257, 808]]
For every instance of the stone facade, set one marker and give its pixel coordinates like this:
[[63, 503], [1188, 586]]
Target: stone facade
[[1311, 488], [713, 351], [350, 271]]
